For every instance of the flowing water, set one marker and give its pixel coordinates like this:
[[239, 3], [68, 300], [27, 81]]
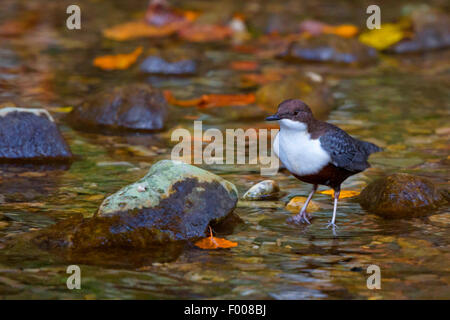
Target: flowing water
[[402, 104]]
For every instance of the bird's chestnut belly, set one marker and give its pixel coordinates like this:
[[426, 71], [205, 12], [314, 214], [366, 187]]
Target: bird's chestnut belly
[[329, 175]]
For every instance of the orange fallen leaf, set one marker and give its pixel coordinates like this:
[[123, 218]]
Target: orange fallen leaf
[[140, 29], [119, 61], [212, 100], [344, 30], [244, 65], [205, 32], [214, 243], [343, 194]]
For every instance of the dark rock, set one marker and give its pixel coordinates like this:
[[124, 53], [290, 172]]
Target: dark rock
[[312, 89], [431, 32], [30, 135], [173, 202], [330, 48], [158, 65], [133, 107], [400, 196]]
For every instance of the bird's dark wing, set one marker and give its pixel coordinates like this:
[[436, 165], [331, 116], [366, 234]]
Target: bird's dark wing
[[345, 151]]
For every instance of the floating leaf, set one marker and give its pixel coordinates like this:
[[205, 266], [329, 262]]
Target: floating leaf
[[213, 100], [244, 65], [119, 61], [297, 203], [205, 33], [383, 38], [140, 29], [343, 194], [345, 30], [214, 243]]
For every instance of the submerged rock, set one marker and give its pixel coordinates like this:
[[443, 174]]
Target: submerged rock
[[174, 201], [431, 32], [158, 65], [312, 90], [330, 48], [131, 107], [30, 134], [264, 190], [400, 196]]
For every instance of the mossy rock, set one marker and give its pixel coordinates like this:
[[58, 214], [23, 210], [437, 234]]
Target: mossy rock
[[173, 202], [401, 196]]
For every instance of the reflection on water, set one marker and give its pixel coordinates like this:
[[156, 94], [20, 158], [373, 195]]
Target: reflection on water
[[399, 105]]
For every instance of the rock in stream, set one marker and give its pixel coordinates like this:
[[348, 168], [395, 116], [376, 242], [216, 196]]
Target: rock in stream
[[401, 195], [174, 201], [30, 135]]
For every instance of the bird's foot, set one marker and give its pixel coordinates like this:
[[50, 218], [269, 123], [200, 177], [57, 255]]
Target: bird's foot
[[301, 218], [332, 225]]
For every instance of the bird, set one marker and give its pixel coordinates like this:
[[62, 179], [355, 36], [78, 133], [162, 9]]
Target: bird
[[317, 152]]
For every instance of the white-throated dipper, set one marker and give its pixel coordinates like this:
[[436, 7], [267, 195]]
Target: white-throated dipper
[[317, 152]]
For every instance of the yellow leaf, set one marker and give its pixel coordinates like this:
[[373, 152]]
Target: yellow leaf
[[343, 194], [119, 61], [297, 203], [214, 243], [389, 34]]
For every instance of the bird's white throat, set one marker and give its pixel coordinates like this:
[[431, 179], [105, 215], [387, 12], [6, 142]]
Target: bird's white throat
[[299, 153]]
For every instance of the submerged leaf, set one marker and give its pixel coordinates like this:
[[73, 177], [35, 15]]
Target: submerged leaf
[[212, 242], [119, 61], [344, 30], [297, 203]]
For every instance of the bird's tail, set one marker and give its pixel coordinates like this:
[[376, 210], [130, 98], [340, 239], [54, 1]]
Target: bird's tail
[[370, 147]]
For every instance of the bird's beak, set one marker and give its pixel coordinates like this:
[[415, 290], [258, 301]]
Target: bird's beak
[[274, 117]]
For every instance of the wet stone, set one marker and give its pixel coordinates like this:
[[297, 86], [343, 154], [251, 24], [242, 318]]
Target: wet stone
[[135, 107], [401, 196], [173, 202], [330, 48], [264, 190], [157, 65], [30, 135]]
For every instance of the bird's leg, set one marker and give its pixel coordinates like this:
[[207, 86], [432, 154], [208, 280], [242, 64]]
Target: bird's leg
[[337, 191], [302, 216]]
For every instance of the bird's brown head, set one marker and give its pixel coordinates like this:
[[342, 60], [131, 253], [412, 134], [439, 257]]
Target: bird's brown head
[[293, 109]]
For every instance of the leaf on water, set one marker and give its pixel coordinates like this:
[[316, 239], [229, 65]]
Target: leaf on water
[[160, 12], [205, 33], [244, 65], [389, 34], [314, 28], [212, 100], [140, 29], [119, 61], [344, 30], [343, 194], [212, 242]]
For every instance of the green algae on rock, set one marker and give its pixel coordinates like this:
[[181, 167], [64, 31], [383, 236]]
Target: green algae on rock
[[401, 195], [174, 201]]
